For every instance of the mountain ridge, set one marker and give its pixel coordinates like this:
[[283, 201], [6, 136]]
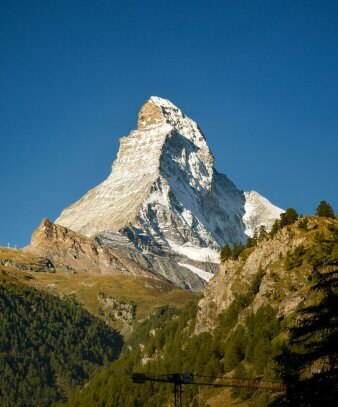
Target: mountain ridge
[[164, 193], [102, 255]]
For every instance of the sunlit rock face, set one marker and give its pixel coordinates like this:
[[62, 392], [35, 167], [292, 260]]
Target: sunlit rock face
[[164, 194]]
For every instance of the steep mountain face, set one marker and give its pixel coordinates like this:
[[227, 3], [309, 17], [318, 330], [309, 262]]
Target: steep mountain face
[[258, 212], [75, 252], [164, 194], [280, 268]]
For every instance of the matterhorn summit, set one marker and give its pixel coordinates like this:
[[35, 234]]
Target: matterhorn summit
[[164, 195]]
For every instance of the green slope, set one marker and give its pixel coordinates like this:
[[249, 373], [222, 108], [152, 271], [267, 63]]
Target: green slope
[[105, 296], [48, 347], [166, 343]]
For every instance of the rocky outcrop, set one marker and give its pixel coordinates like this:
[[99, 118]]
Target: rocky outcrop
[[279, 286], [78, 253]]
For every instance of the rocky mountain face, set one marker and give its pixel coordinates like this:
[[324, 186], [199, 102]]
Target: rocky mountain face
[[279, 267], [78, 253], [72, 251], [107, 283], [164, 194], [164, 211]]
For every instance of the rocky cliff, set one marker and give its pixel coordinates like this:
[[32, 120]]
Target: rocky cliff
[[278, 268], [78, 253], [75, 252]]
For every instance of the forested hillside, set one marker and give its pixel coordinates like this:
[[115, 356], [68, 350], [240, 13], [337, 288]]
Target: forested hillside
[[172, 347], [119, 299], [47, 346], [246, 336]]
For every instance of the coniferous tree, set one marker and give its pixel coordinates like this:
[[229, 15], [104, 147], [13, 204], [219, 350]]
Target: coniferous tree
[[226, 252], [325, 209], [309, 366], [275, 228], [289, 217], [237, 250], [256, 234], [303, 224], [262, 233], [251, 242], [48, 346]]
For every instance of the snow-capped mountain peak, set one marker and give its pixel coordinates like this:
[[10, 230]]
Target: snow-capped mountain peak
[[258, 211], [164, 193], [157, 111]]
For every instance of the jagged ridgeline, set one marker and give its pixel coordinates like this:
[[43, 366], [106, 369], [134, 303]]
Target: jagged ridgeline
[[48, 347], [164, 212], [239, 328], [165, 203]]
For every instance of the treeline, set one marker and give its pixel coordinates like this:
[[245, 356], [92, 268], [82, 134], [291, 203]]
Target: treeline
[[47, 346], [290, 216]]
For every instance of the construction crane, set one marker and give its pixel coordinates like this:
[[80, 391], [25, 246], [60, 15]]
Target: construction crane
[[180, 379]]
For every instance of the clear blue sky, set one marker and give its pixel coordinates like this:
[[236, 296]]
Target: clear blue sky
[[260, 77]]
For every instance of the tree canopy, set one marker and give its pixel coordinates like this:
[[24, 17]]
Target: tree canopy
[[289, 217], [325, 209], [48, 346], [309, 364]]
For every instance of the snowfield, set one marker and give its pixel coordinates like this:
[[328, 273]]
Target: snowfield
[[196, 253], [201, 273]]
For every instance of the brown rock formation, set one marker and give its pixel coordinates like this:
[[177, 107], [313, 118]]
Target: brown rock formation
[[280, 287], [73, 251]]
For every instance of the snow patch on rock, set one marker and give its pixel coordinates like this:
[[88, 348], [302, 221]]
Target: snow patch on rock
[[202, 273], [259, 211], [203, 254]]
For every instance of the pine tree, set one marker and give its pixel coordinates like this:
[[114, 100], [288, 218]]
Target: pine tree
[[226, 252], [262, 233], [275, 228], [288, 217], [325, 209], [237, 250], [251, 242], [309, 367], [303, 223]]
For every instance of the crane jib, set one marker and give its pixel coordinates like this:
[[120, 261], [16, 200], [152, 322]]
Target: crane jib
[[187, 378]]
